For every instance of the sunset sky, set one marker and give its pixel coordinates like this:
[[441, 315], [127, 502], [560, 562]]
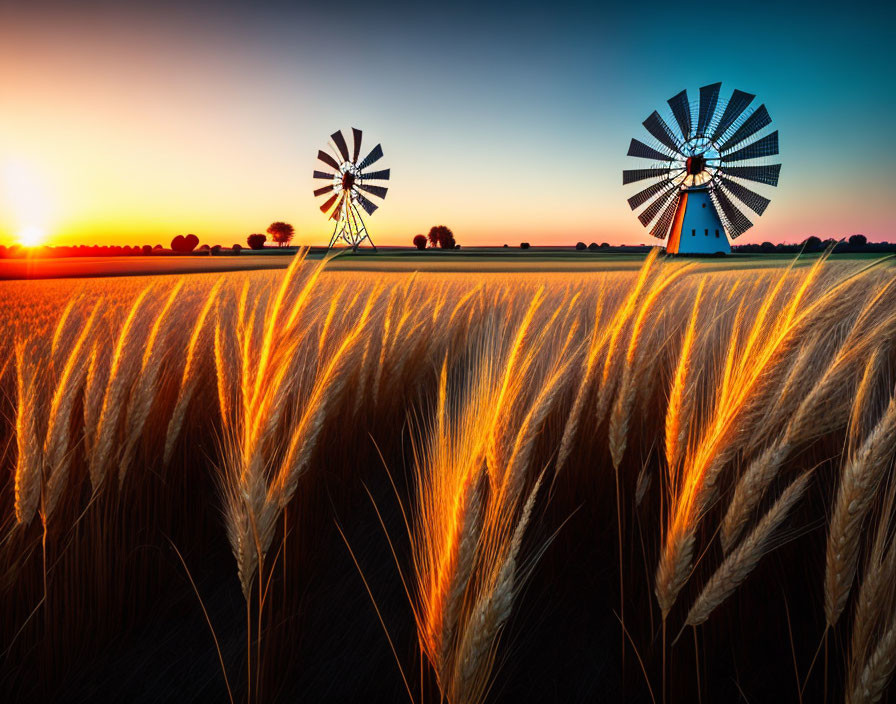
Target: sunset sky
[[129, 124]]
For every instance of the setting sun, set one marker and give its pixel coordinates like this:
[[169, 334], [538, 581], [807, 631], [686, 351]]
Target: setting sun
[[31, 236]]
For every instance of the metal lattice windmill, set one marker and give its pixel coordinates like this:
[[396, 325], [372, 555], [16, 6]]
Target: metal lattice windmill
[[698, 170], [347, 179]]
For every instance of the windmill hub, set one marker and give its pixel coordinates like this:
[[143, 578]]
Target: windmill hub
[[698, 163], [348, 180], [695, 164]]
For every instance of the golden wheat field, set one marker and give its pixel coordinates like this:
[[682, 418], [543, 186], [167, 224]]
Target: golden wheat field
[[668, 484]]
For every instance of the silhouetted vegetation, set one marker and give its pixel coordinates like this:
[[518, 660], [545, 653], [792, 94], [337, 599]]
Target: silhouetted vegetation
[[184, 245], [420, 241], [441, 236], [256, 241], [580, 246], [281, 232], [524, 245]]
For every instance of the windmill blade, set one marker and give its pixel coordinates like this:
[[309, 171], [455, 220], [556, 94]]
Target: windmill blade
[[755, 122], [660, 130], [751, 199], [329, 203], [738, 223], [325, 189], [639, 199], [337, 211], [356, 136], [640, 149], [339, 140], [767, 146], [709, 98], [681, 109], [366, 204], [633, 175], [327, 159], [652, 210], [376, 176], [760, 174], [735, 108], [375, 155], [322, 174], [661, 228], [378, 191]]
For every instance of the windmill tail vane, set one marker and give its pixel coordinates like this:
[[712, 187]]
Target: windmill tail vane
[[350, 182], [697, 170]]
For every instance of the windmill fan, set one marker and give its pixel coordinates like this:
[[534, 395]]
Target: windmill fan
[[347, 176], [698, 171]]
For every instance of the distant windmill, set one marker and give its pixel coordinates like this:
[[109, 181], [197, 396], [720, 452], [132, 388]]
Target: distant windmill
[[347, 177], [698, 170]]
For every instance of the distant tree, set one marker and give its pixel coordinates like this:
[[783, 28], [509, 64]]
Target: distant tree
[[524, 245], [441, 236], [3, 251], [811, 244], [237, 248], [420, 241], [593, 247], [256, 241], [767, 247], [216, 249], [147, 250], [858, 241], [580, 246], [604, 245], [505, 246], [205, 248], [281, 232], [457, 246], [184, 245]]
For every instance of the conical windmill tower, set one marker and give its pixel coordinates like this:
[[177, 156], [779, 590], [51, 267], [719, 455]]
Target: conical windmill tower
[[698, 171]]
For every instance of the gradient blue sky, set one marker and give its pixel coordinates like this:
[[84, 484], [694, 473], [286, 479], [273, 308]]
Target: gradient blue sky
[[129, 123]]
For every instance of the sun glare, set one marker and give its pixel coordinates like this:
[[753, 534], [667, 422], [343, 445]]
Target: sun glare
[[31, 236]]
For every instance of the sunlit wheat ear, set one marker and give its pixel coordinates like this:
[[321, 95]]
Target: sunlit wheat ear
[[509, 384], [858, 417], [595, 347], [823, 409], [876, 600], [28, 461], [680, 402], [877, 671], [735, 568], [58, 441], [633, 368], [190, 377], [859, 481], [474, 661], [122, 371], [145, 389], [617, 325], [674, 568]]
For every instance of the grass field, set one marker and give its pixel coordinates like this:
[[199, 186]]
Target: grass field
[[620, 479]]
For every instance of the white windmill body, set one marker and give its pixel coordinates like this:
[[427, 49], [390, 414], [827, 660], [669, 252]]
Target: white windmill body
[[698, 171]]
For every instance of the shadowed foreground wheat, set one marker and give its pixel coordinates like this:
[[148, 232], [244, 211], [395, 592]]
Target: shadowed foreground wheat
[[733, 412]]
